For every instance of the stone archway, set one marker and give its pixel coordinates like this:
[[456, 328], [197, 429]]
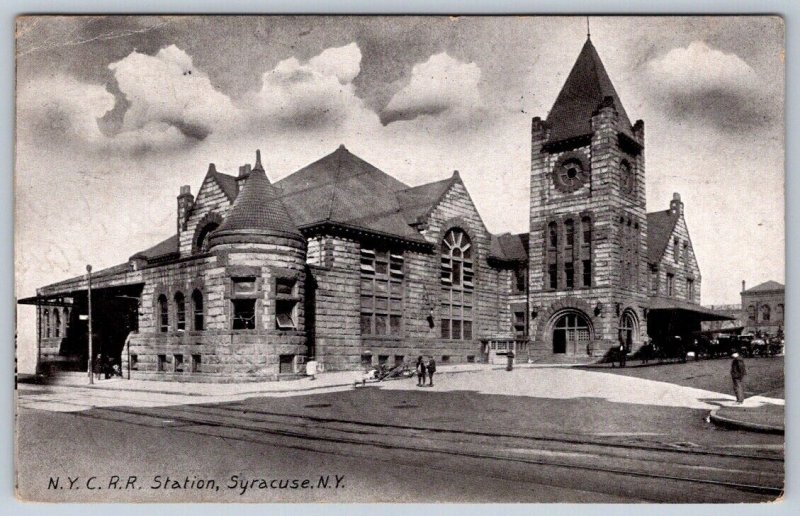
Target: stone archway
[[571, 332], [629, 329]]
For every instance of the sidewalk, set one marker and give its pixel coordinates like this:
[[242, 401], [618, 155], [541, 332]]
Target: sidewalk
[[323, 381], [755, 414]]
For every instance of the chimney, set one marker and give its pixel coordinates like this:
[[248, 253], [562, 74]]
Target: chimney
[[743, 287], [185, 202], [676, 205], [244, 173]]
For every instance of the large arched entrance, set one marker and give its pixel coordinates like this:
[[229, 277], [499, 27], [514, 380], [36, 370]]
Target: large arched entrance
[[571, 333]]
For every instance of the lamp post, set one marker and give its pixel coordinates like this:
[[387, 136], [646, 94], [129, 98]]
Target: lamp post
[[91, 349]]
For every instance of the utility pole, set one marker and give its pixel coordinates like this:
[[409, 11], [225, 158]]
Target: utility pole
[[91, 349]]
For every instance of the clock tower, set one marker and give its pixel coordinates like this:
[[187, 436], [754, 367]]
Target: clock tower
[[588, 224]]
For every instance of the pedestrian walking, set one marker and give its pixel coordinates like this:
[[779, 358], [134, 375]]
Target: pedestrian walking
[[420, 372], [621, 351], [738, 372], [431, 368]]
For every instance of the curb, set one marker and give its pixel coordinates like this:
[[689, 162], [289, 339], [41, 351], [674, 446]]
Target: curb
[[743, 425], [245, 393]]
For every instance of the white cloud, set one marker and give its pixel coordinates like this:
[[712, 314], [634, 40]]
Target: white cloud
[[317, 94], [168, 89], [700, 68], [440, 84], [61, 110], [342, 62]]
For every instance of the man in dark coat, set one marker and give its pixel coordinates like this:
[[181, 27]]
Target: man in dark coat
[[430, 370], [738, 372], [420, 372]]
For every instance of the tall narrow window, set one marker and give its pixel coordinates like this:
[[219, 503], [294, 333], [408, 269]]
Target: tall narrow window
[[457, 285], [382, 288], [670, 284], [163, 314], [552, 255], [197, 310], [676, 250], [586, 251], [765, 313], [569, 274], [587, 273], [46, 319], [56, 322], [569, 233], [690, 290], [180, 312]]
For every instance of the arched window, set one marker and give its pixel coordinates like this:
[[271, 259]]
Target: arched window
[[202, 236], [779, 312], [751, 313], [571, 334], [552, 255], [197, 310], [627, 179], [56, 322], [552, 228], [180, 311], [627, 329], [569, 233], [586, 252], [46, 317], [765, 313], [569, 243], [457, 279], [163, 314]]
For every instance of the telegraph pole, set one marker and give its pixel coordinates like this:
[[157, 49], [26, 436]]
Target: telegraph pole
[[91, 350]]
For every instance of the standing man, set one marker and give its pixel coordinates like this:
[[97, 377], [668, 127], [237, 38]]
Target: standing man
[[622, 352], [420, 372], [431, 369], [738, 372]]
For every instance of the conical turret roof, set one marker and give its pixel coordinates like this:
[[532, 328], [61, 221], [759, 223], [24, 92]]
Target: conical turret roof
[[257, 211], [583, 92]]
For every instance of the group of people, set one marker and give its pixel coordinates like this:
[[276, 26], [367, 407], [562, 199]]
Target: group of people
[[425, 369], [104, 366]]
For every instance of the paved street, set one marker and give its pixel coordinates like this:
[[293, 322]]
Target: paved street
[[535, 434]]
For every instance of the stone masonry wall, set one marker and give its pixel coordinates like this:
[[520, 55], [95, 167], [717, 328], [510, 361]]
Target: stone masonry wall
[[614, 214]]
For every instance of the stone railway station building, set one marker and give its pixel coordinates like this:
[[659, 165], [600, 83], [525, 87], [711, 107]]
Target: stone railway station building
[[342, 262]]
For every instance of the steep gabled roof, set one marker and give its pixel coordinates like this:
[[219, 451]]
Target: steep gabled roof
[[508, 247], [583, 92], [161, 249], [226, 183], [416, 202], [257, 210], [343, 188], [660, 225], [767, 286]]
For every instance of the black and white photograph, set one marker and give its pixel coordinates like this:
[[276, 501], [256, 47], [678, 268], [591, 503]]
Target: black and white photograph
[[399, 259]]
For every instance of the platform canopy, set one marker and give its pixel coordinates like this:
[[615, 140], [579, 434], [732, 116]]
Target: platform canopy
[[680, 307], [47, 301]]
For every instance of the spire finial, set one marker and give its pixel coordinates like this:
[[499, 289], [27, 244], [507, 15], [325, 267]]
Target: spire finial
[[258, 165], [588, 32]]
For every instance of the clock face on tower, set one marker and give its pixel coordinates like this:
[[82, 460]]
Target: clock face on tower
[[627, 178], [570, 174]]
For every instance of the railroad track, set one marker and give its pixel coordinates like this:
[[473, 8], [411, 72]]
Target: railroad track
[[332, 435]]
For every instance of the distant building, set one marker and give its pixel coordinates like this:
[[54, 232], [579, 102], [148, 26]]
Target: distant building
[[734, 325], [763, 308], [345, 263]]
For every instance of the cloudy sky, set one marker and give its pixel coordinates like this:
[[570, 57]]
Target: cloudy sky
[[115, 113]]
